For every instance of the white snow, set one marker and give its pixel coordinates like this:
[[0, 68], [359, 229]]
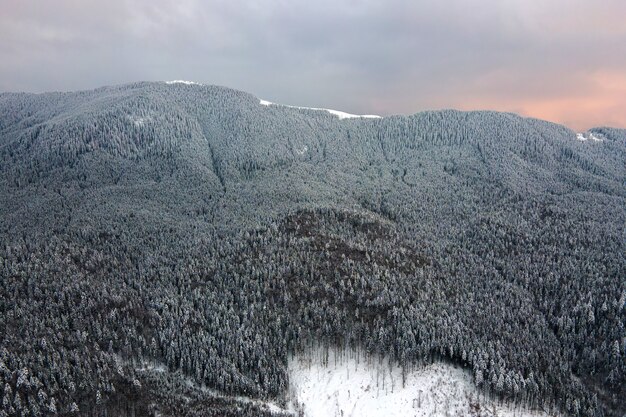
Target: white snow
[[182, 82], [152, 367], [139, 121], [340, 114], [372, 387], [597, 137]]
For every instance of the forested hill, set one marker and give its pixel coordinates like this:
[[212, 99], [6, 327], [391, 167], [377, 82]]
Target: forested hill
[[193, 230]]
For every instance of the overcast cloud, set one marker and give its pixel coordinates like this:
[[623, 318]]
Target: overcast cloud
[[562, 60]]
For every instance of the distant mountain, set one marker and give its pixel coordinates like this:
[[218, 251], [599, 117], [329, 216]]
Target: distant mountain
[[166, 246]]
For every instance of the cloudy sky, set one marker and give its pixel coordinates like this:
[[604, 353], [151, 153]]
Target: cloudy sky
[[561, 60]]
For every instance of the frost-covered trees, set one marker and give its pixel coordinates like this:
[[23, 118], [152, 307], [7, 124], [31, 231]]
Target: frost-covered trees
[[160, 238]]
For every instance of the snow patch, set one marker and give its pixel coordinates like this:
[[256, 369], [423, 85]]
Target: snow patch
[[344, 384], [146, 366], [597, 137], [182, 82], [139, 121], [339, 114]]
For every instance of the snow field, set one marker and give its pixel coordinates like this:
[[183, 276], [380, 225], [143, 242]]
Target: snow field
[[349, 384]]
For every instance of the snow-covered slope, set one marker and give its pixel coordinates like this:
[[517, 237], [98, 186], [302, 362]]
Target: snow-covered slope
[[346, 384], [340, 114], [182, 82]]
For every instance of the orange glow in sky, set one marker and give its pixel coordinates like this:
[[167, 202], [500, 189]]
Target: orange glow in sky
[[559, 60], [601, 103]]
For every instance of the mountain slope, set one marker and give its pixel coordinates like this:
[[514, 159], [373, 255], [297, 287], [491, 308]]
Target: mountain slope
[[194, 227]]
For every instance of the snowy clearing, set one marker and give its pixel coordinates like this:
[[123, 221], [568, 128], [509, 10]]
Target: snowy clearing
[[344, 385], [340, 114]]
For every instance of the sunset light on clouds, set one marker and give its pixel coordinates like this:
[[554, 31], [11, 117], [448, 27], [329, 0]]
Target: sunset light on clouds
[[560, 60]]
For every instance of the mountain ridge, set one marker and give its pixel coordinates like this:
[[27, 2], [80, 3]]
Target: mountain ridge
[[137, 84]]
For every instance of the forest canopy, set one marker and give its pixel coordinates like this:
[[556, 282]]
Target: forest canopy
[[191, 229]]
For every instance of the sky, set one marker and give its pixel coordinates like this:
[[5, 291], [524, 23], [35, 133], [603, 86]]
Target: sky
[[559, 60]]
